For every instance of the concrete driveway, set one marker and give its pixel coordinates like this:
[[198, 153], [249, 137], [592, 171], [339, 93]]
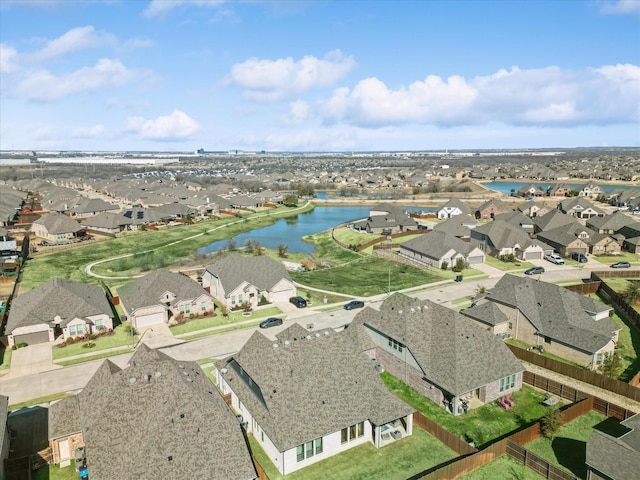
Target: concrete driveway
[[32, 359]]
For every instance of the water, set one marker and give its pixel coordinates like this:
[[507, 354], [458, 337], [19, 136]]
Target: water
[[505, 187], [289, 231]]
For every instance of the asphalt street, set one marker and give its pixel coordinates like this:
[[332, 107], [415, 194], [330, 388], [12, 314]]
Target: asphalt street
[[21, 388]]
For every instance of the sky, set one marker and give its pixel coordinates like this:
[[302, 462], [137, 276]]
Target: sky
[[305, 75]]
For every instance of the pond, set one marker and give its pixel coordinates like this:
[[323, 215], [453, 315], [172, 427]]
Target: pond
[[289, 231], [506, 187]]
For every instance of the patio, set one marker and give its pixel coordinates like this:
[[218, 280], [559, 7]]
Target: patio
[[392, 431]]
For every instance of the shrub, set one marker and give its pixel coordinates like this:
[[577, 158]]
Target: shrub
[[21, 345], [445, 265], [246, 306], [550, 423]]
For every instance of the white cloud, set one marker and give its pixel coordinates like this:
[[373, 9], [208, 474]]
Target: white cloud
[[549, 96], [161, 7], [75, 39], [276, 79], [620, 7], [176, 126], [299, 112], [88, 132], [43, 86], [8, 59]]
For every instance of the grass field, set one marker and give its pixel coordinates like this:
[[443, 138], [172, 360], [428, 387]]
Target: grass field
[[119, 338], [503, 468], [397, 461], [480, 425]]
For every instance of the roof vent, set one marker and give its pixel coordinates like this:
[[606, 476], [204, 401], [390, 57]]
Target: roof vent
[[326, 332], [147, 377], [132, 380], [275, 345], [317, 335], [308, 337], [170, 458], [223, 371], [287, 342], [158, 374], [400, 312], [413, 310]]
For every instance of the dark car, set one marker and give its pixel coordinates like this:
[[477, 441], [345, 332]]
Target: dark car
[[298, 301], [620, 265], [534, 271], [579, 257], [353, 304], [271, 322]]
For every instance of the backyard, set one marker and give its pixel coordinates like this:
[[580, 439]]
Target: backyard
[[397, 461], [480, 425], [503, 468]]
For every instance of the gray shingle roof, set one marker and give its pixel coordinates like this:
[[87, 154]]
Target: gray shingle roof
[[57, 297], [556, 312], [261, 271], [58, 223], [488, 313], [454, 353], [459, 225], [157, 418], [503, 235], [310, 387], [147, 291], [436, 244], [618, 458], [553, 219]]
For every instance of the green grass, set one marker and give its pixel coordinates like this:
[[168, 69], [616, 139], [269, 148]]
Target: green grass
[[38, 401], [503, 468], [233, 317], [5, 356], [609, 259], [54, 472], [170, 246], [119, 338], [75, 361], [397, 461], [480, 425], [568, 448], [506, 266], [217, 331]]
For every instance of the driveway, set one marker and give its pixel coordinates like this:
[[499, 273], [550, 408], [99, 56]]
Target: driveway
[[32, 359], [158, 336]]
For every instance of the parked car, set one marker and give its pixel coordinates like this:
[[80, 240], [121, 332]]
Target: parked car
[[579, 257], [298, 301], [620, 265], [554, 258], [271, 322], [534, 271], [353, 304]]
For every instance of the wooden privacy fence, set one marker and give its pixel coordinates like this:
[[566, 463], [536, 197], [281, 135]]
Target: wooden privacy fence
[[617, 300], [452, 441], [262, 475], [462, 466], [580, 374], [536, 463]]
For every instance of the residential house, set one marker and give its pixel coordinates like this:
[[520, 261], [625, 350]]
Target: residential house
[[236, 278], [559, 190], [531, 190], [438, 249], [109, 223], [609, 224], [459, 226], [453, 208], [386, 219], [590, 190], [553, 219], [500, 239], [491, 209], [611, 457], [155, 418], [575, 238], [518, 219], [580, 207], [438, 352], [163, 297], [532, 209], [57, 228], [630, 235], [92, 206], [58, 307], [538, 313], [8, 244], [308, 396]]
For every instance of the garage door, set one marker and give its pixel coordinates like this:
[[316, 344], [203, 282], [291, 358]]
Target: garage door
[[144, 321], [534, 256], [475, 260], [32, 338]]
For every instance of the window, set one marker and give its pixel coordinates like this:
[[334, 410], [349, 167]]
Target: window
[[79, 330], [352, 432], [309, 449], [510, 326], [99, 324], [599, 359], [507, 383], [395, 345], [203, 306], [547, 340], [233, 299], [240, 298], [72, 330]]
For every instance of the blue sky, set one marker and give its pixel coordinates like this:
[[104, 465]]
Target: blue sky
[[309, 75]]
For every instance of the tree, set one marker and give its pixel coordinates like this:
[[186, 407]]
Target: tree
[[305, 190], [632, 293], [611, 366], [550, 423], [254, 247], [232, 245], [282, 250], [290, 200]]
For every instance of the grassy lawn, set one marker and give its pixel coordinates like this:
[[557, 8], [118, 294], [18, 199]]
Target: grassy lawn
[[609, 259], [5, 358], [318, 297], [521, 344], [568, 448], [38, 401], [480, 425], [506, 266], [399, 460], [54, 472], [98, 356], [174, 244], [217, 331], [233, 317], [349, 236], [119, 338], [503, 468]]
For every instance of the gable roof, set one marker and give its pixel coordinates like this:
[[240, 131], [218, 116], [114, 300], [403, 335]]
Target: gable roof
[[578, 204], [454, 353], [504, 235], [556, 312], [496, 203], [146, 291], [181, 423], [488, 313], [458, 226], [616, 457], [58, 223], [308, 386], [260, 271], [57, 297], [613, 222], [553, 219], [436, 244], [456, 203]]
